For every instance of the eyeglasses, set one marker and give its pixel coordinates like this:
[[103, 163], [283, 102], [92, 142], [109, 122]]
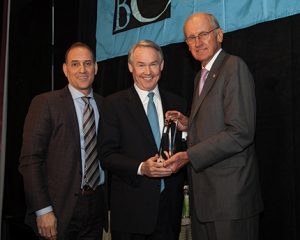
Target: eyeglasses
[[201, 36]]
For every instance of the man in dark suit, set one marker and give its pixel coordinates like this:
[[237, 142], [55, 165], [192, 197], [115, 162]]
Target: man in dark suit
[[141, 208], [63, 203], [223, 171]]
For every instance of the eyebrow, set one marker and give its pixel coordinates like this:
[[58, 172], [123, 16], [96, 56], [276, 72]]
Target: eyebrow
[[87, 60], [196, 34], [157, 61]]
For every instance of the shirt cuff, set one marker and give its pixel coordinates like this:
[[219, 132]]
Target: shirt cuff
[[139, 172], [44, 211]]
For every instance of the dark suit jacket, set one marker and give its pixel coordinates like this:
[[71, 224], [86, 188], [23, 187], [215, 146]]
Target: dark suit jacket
[[50, 160], [224, 172], [127, 141]]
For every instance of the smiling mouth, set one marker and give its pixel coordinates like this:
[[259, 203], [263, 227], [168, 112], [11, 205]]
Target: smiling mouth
[[83, 77], [148, 78], [200, 49]]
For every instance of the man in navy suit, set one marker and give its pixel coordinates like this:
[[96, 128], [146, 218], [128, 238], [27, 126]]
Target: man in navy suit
[[60, 204], [140, 209]]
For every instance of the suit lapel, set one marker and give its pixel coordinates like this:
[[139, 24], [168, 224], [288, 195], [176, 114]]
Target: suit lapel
[[67, 105], [138, 115], [99, 102], [164, 101], [211, 78]]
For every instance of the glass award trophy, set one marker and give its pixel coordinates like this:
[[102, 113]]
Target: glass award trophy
[[167, 144]]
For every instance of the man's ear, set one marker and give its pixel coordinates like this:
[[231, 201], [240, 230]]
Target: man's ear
[[130, 67], [162, 65], [96, 68], [220, 35], [65, 69]]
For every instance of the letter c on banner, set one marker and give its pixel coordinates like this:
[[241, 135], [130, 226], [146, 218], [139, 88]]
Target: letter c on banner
[[137, 15]]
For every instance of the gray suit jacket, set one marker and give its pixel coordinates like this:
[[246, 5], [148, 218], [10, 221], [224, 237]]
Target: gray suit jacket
[[50, 160], [223, 173]]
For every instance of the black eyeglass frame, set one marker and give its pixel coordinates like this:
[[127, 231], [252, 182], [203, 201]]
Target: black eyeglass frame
[[192, 39]]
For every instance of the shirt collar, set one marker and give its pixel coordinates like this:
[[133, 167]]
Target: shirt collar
[[144, 94], [77, 94], [210, 63]]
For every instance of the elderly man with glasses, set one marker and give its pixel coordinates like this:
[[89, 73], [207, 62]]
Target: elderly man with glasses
[[223, 170]]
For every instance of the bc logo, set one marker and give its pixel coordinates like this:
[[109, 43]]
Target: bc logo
[[136, 13]]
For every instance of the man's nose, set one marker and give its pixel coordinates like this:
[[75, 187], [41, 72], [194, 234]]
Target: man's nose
[[82, 68], [147, 70], [198, 41]]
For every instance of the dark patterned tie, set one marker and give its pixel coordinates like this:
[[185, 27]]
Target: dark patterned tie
[[91, 167], [153, 120]]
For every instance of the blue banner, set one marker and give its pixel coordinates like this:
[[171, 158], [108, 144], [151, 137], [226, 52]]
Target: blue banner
[[122, 23]]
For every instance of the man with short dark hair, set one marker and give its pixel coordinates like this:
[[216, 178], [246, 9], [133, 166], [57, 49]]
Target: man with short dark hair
[[60, 164]]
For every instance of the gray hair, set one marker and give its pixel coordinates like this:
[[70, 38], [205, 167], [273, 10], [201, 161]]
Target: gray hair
[[212, 20], [145, 43]]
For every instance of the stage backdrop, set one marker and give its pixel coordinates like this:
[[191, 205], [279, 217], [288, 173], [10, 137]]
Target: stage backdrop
[[122, 23], [271, 50]]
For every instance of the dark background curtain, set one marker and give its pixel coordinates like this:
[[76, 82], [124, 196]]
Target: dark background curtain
[[271, 50]]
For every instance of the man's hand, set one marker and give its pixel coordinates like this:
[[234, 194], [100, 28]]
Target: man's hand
[[153, 167], [183, 121], [177, 161], [47, 226]]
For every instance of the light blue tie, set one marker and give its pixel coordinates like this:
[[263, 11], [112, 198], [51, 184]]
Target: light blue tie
[[153, 120]]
